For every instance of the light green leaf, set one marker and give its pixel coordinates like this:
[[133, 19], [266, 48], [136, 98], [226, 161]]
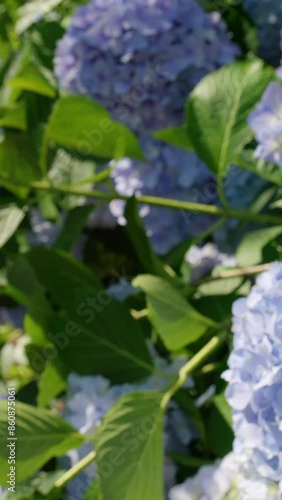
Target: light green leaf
[[177, 136], [52, 382], [250, 250], [34, 78], [218, 109], [174, 319], [129, 446], [10, 219], [41, 435], [91, 130], [14, 116], [32, 11], [268, 171]]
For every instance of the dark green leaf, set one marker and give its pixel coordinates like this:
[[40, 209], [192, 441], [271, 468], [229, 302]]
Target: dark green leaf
[[136, 232], [73, 226]]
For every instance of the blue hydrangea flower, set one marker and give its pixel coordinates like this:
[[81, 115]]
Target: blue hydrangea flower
[[141, 58], [267, 16], [203, 259], [169, 173], [89, 399], [255, 374], [266, 122], [228, 479]]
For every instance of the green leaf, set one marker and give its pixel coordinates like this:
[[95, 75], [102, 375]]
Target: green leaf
[[25, 288], [41, 435], [61, 274], [99, 336], [32, 11], [14, 116], [35, 488], [68, 170], [34, 78], [129, 446], [17, 164], [220, 434], [93, 492], [91, 130], [251, 249], [174, 319], [267, 171], [73, 226], [140, 241], [218, 109], [177, 136], [98, 333], [52, 382], [10, 219]]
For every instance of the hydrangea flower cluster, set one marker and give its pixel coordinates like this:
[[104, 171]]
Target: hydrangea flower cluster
[[203, 259], [228, 479], [88, 400], [255, 375], [267, 16], [266, 122], [170, 172], [140, 59]]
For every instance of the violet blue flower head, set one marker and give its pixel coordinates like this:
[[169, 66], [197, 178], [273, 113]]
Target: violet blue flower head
[[267, 16], [170, 172], [266, 122], [255, 375], [203, 259], [141, 58], [89, 399], [228, 479]]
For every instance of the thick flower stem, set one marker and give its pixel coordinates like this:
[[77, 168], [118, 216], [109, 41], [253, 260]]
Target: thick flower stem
[[75, 470], [200, 208], [192, 365], [213, 210]]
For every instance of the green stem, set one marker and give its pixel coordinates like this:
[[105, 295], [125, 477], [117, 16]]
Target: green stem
[[166, 203], [235, 273], [75, 470], [187, 206], [192, 365]]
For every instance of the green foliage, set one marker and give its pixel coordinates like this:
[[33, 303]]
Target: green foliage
[[91, 131], [174, 319], [54, 150], [41, 434], [129, 446], [218, 109]]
